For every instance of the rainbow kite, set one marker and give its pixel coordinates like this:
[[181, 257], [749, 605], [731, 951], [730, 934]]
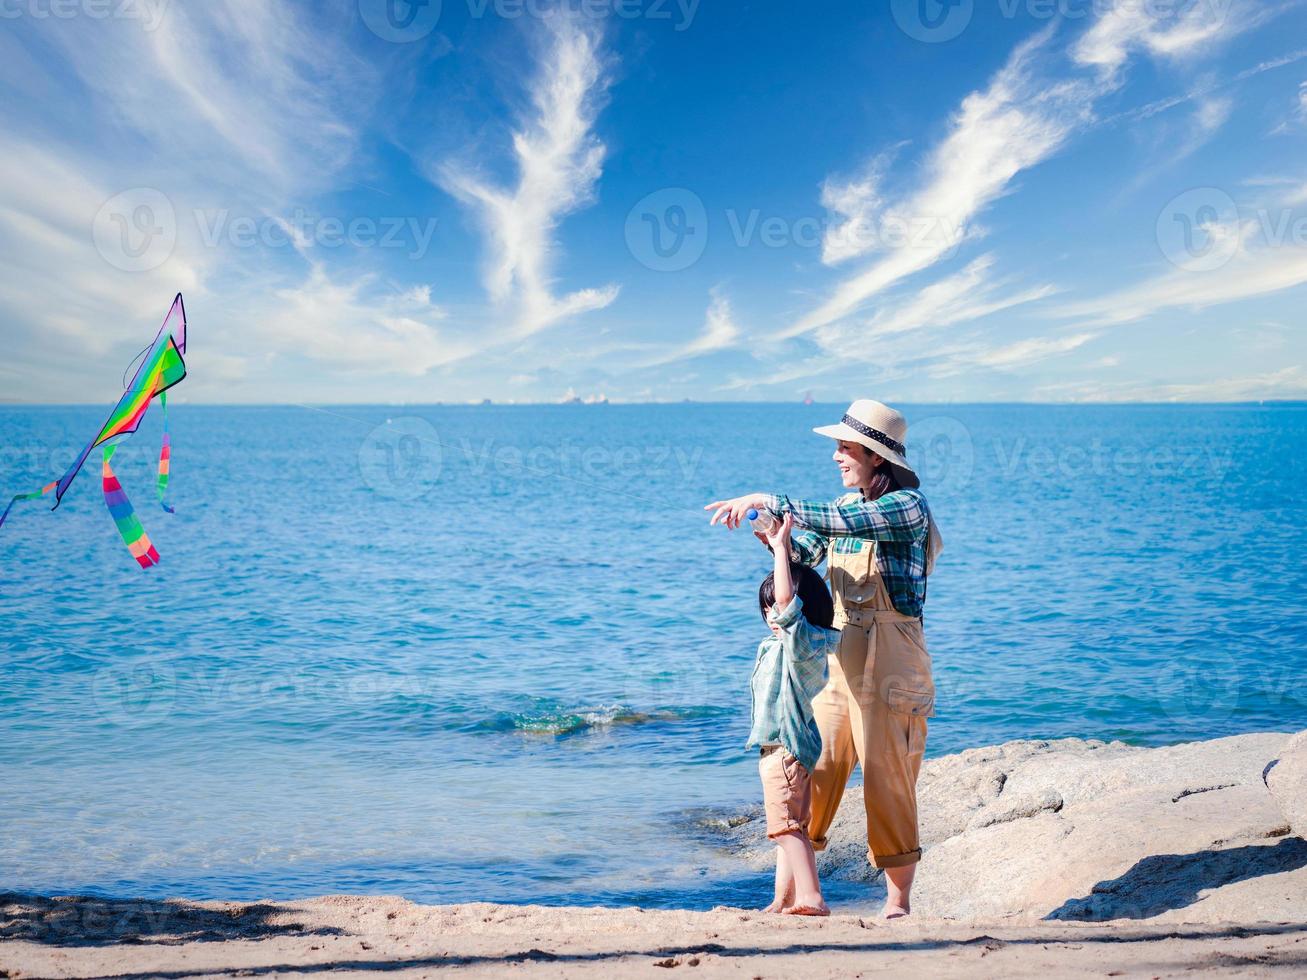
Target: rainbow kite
[[161, 368]]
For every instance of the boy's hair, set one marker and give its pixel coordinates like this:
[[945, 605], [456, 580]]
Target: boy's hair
[[818, 609]]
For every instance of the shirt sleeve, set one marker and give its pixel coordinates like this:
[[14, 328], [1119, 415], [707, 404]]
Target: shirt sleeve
[[897, 516], [805, 648], [807, 547]]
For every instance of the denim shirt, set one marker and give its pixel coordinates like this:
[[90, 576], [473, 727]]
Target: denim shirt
[[789, 672]]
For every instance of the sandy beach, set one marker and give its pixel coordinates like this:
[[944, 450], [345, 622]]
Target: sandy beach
[[1148, 862], [365, 936]]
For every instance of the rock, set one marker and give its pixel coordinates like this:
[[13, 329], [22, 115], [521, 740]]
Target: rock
[[1088, 830], [1287, 781]]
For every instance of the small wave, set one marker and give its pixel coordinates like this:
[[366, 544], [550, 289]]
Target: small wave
[[564, 721]]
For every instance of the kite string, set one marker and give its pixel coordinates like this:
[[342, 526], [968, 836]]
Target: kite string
[[143, 351]]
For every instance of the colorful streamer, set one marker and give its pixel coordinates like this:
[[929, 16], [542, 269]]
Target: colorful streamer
[[162, 367]]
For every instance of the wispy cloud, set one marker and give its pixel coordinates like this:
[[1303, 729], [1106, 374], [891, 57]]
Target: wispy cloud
[[1020, 119], [967, 295], [240, 91], [358, 327], [854, 205], [1173, 31], [1026, 114], [559, 161], [1258, 265], [1288, 382], [1019, 354], [720, 332], [57, 294]]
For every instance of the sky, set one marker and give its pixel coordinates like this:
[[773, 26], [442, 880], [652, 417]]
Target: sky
[[383, 201]]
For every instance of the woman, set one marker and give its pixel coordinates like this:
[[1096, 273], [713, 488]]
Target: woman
[[880, 544]]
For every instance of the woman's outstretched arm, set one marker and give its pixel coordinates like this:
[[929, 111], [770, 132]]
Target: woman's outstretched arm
[[896, 516]]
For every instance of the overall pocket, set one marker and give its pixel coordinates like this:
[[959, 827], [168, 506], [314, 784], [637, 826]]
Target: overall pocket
[[912, 708]]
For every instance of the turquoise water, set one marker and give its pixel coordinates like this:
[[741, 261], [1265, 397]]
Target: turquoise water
[[496, 653]]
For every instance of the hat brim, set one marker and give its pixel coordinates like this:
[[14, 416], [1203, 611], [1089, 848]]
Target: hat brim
[[902, 469]]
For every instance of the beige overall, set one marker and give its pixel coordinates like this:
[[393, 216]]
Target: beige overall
[[872, 711]]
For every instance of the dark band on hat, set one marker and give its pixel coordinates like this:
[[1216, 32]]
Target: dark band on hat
[[876, 434]]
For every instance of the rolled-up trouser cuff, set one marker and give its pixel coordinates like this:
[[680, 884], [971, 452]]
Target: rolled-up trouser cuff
[[894, 860]]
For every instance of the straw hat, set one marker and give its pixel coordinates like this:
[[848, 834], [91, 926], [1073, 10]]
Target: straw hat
[[882, 430]]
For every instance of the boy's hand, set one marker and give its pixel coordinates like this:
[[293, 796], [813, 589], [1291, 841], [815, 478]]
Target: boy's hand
[[779, 539]]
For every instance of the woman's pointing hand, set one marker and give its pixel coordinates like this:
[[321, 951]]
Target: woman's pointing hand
[[732, 512]]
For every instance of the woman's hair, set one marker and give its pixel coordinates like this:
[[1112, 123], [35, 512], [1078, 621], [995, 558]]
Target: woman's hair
[[811, 590], [884, 480]]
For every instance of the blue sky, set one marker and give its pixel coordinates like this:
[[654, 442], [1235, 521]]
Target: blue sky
[[375, 201]]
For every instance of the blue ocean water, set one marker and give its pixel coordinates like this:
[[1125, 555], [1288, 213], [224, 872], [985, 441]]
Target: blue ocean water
[[495, 653]]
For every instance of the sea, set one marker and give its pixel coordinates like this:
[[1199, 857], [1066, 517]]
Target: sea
[[495, 653]]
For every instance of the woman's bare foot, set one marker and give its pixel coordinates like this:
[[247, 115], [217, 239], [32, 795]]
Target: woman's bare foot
[[898, 891], [777, 905]]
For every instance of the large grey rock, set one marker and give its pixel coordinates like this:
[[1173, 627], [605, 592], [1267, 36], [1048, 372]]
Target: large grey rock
[[1287, 781], [1075, 829]]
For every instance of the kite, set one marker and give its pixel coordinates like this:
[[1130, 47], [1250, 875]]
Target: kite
[[160, 369]]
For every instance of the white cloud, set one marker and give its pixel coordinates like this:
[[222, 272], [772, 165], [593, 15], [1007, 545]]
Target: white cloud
[[1020, 120], [1212, 114], [1173, 32], [58, 295], [960, 298], [855, 205], [720, 332], [357, 327], [1025, 352], [257, 94], [1288, 382], [1025, 115], [559, 161], [1258, 265]]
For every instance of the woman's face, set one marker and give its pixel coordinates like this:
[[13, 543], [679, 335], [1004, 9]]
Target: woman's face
[[857, 463]]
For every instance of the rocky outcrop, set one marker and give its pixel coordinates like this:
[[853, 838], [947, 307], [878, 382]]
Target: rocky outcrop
[[1088, 830], [1287, 781]]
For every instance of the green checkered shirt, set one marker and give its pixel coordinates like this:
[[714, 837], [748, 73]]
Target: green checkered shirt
[[899, 523]]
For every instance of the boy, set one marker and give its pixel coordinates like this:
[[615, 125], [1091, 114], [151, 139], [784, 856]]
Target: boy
[[789, 672]]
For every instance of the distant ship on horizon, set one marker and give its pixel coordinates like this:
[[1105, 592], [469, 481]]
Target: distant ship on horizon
[[572, 398]]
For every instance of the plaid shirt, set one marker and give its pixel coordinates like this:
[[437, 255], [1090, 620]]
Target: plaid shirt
[[789, 672], [899, 523]]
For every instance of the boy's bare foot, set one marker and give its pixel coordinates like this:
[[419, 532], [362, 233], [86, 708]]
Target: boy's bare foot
[[894, 911], [818, 909]]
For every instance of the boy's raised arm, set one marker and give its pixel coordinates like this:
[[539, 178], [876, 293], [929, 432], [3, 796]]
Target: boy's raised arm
[[779, 541]]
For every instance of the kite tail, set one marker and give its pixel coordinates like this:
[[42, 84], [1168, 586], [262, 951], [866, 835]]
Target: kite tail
[[124, 515], [27, 496], [165, 454]]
